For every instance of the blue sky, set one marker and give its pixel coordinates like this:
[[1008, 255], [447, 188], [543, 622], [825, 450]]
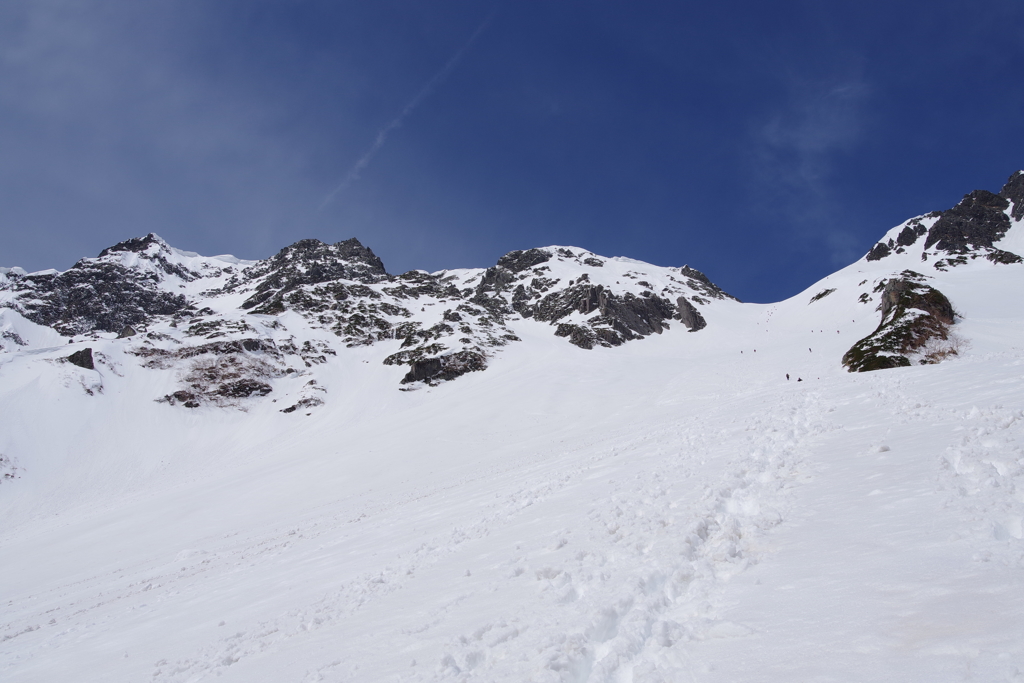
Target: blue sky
[[767, 144]]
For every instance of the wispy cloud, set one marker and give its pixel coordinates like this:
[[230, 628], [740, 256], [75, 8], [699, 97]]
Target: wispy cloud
[[382, 135], [796, 149]]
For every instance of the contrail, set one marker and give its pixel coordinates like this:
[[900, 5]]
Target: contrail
[[382, 135]]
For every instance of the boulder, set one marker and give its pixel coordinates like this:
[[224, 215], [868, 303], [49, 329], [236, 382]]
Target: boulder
[[82, 359]]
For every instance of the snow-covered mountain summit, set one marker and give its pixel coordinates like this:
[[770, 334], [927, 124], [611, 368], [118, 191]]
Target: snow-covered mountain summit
[[176, 310]]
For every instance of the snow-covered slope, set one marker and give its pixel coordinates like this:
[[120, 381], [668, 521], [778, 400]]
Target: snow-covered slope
[[634, 487]]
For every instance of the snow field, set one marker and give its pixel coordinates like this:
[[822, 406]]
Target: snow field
[[849, 529], [670, 512], [898, 564]]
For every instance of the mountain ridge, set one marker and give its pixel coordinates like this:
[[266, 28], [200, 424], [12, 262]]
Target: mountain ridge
[[264, 320]]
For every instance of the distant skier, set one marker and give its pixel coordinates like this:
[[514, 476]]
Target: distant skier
[[787, 376]]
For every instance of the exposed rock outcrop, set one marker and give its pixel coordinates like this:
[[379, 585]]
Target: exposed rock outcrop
[[689, 315], [700, 282], [879, 252], [219, 373], [913, 314], [1014, 191], [94, 295], [443, 368], [310, 262], [518, 261]]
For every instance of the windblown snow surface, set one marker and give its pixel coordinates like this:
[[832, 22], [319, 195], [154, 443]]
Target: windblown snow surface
[[671, 510]]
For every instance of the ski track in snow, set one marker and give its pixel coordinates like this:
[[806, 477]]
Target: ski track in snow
[[619, 580], [658, 582]]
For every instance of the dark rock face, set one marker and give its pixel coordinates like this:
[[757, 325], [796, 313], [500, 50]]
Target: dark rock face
[[560, 303], [518, 261], [696, 275], [1014, 191], [619, 318], [92, 296], [909, 234], [821, 295], [496, 279], [905, 292], [444, 368], [975, 223], [907, 237], [636, 316], [423, 370], [587, 337], [878, 252], [1005, 257], [913, 314], [611, 318], [82, 359], [689, 315]]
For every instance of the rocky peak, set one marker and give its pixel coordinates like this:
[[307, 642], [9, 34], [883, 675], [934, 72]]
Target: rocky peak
[[975, 223], [138, 245], [967, 231], [1014, 191], [700, 281], [150, 253], [106, 293], [309, 262], [349, 256]]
